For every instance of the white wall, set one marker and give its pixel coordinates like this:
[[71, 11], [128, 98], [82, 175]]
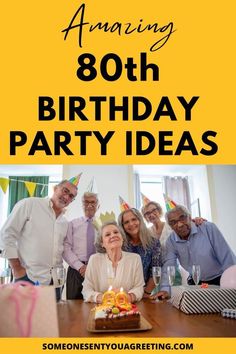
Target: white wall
[[222, 186], [111, 181]]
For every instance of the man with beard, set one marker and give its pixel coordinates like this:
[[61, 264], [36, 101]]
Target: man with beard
[[203, 245], [32, 237]]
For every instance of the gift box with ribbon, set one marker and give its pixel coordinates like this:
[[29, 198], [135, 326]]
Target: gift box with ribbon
[[196, 299], [28, 311]]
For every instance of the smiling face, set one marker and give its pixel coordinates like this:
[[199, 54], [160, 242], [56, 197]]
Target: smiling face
[[111, 237], [151, 213], [131, 224], [90, 205], [180, 222], [63, 195]]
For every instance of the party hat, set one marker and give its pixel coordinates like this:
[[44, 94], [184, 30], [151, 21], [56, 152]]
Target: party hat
[[92, 187], [103, 218], [75, 180], [145, 199], [123, 204], [170, 204]]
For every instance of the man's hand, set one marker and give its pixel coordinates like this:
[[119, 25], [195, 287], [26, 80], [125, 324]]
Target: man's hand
[[82, 270], [161, 295], [17, 269]]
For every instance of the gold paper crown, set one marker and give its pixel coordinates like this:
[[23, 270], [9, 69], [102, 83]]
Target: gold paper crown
[[103, 218]]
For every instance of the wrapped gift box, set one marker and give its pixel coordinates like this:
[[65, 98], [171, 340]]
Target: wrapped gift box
[[28, 311], [194, 299]]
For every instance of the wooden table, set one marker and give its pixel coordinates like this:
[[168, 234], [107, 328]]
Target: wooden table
[[166, 321]]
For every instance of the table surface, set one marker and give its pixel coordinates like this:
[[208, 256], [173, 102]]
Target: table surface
[[166, 321]]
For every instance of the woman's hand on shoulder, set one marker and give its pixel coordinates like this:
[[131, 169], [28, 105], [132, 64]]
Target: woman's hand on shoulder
[[198, 221]]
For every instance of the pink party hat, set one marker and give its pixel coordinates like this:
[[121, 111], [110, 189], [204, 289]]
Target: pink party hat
[[170, 204], [123, 205], [145, 199], [75, 180]]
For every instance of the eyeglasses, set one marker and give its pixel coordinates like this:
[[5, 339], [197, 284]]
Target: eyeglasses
[[182, 218], [93, 203], [148, 213], [68, 193]]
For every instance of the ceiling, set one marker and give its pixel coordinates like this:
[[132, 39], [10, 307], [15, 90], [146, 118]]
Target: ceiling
[[160, 170], [56, 170], [31, 170]]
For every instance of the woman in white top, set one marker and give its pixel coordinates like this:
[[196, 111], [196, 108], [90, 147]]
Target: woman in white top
[[152, 213], [112, 266]]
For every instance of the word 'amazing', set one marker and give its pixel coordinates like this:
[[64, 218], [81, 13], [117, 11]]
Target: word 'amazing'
[[162, 31]]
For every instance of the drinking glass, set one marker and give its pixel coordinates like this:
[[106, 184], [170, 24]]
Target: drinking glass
[[110, 276], [59, 279], [156, 275], [171, 275], [5, 276], [196, 273]]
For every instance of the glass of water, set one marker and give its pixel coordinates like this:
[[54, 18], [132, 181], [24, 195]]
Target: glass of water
[[5, 276]]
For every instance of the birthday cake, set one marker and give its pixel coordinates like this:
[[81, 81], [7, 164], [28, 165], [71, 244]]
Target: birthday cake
[[116, 313]]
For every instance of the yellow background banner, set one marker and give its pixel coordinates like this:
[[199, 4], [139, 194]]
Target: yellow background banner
[[186, 55], [113, 345]]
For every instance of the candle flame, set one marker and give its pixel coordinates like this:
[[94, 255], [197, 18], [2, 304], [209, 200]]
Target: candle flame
[[110, 288], [121, 289]]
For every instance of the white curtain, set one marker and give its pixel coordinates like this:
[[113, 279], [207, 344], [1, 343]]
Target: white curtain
[[137, 191], [177, 189]]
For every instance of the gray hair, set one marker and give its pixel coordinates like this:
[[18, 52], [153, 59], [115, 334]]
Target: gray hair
[[157, 205], [177, 208], [63, 182], [145, 235], [88, 195], [98, 241]]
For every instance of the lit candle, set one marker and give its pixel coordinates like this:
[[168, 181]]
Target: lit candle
[[108, 297], [121, 298]]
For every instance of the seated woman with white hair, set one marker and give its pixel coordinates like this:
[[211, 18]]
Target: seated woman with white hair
[[125, 267]]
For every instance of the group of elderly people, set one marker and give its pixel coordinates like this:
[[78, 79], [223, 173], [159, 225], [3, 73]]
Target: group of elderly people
[[131, 249], [37, 237]]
